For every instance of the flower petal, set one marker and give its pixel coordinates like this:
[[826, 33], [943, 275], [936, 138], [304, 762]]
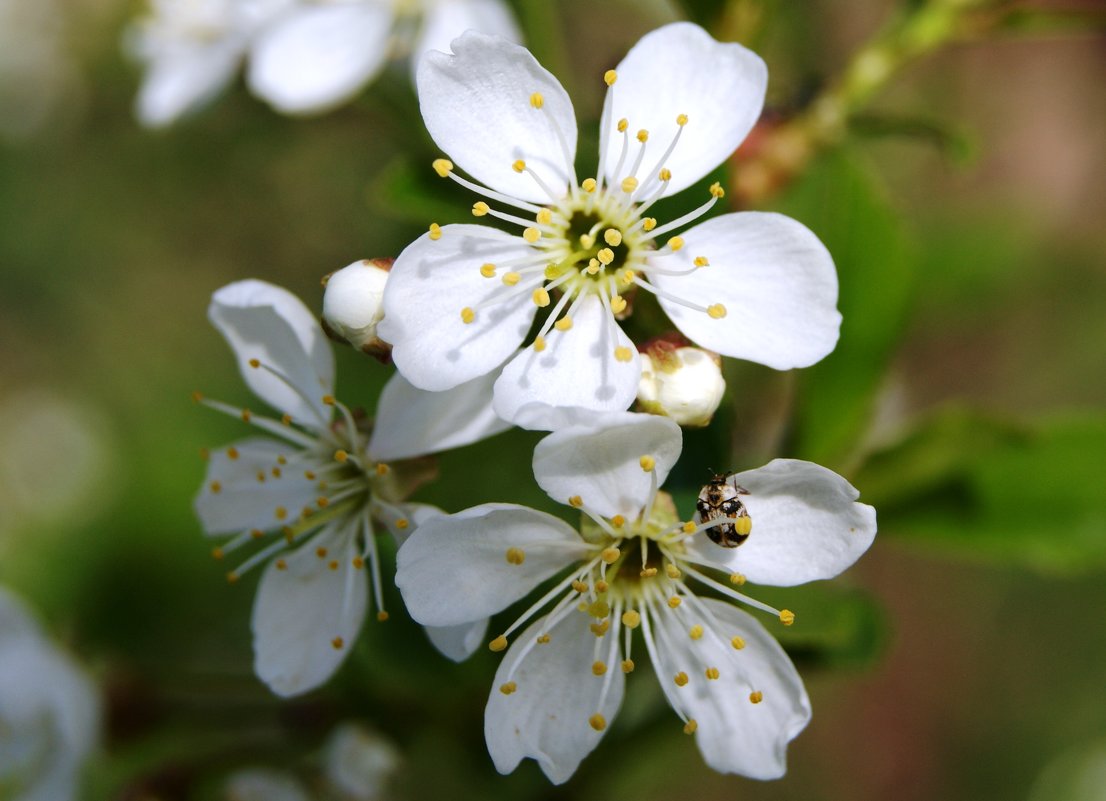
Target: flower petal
[[306, 617], [577, 368], [412, 422], [244, 493], [185, 77], [445, 20], [807, 525], [476, 104], [318, 56], [601, 462], [458, 642], [547, 715], [734, 734], [430, 283], [265, 322], [454, 569], [680, 69], [773, 277]]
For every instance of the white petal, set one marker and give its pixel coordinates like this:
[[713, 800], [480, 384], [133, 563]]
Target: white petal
[[454, 569], [430, 283], [316, 57], [476, 105], [359, 763], [734, 735], [601, 462], [445, 20], [412, 422], [300, 611], [807, 525], [775, 279], [458, 642], [265, 322], [547, 717], [233, 499], [577, 368], [411, 515], [680, 69], [184, 78]]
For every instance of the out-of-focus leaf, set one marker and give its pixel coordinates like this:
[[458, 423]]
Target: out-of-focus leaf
[[1032, 494], [952, 143], [840, 202], [406, 191]]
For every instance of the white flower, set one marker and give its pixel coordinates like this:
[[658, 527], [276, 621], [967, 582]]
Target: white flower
[[263, 784], [462, 298], [359, 762], [49, 712], [353, 303], [308, 493], [684, 383], [630, 567], [305, 56]]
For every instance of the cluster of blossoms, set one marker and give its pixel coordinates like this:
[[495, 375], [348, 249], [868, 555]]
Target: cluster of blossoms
[[458, 313]]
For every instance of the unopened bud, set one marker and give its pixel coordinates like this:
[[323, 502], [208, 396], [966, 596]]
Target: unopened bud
[[681, 382], [353, 304]]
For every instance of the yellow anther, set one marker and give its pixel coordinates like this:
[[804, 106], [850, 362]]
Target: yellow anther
[[601, 586], [289, 534], [246, 415], [649, 572], [623, 124], [322, 502], [695, 632], [329, 400], [712, 673], [605, 256], [276, 472], [674, 601], [480, 208], [593, 267], [672, 571], [232, 577], [629, 184], [257, 533], [519, 165], [281, 564], [688, 527], [216, 553], [743, 526], [599, 609], [543, 639], [435, 231], [306, 512], [627, 666], [531, 235], [515, 556], [280, 513], [358, 563], [738, 643], [787, 617], [255, 363], [649, 223], [199, 396], [588, 185], [579, 586], [232, 453], [340, 455], [205, 454], [215, 487], [576, 501], [717, 191], [442, 166], [599, 629], [690, 726], [623, 354], [609, 77], [281, 460], [333, 564], [631, 619], [618, 304], [544, 217], [665, 174], [382, 469], [597, 722], [681, 120], [510, 279], [643, 136], [598, 668], [717, 311], [701, 261], [587, 240], [541, 297], [536, 100], [680, 679], [381, 616], [402, 523], [286, 419], [676, 243], [563, 324], [487, 270], [618, 521], [321, 552], [467, 315], [647, 463], [498, 644], [261, 476], [737, 578], [756, 696], [539, 344], [337, 642], [508, 688], [613, 237]]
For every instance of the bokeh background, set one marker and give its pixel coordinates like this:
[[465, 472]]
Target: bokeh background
[[962, 197]]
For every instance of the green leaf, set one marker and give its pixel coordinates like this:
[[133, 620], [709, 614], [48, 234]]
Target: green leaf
[[840, 202], [1030, 494]]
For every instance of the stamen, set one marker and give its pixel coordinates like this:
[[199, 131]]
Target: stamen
[[685, 219]]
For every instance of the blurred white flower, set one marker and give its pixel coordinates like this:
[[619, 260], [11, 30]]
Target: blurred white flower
[[353, 303], [308, 493], [684, 383], [359, 762], [49, 711], [264, 784], [462, 298], [305, 56], [630, 566]]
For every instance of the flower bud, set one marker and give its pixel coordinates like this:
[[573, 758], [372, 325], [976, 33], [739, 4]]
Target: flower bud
[[681, 382], [353, 304]]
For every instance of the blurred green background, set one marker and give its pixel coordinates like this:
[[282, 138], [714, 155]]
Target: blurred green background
[[962, 658]]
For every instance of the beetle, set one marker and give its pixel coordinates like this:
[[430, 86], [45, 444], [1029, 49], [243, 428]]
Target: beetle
[[722, 498]]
